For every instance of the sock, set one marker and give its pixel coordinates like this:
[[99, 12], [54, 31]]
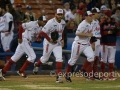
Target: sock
[[95, 65], [38, 63], [7, 66], [58, 67], [89, 71], [85, 65], [68, 68], [111, 66], [102, 64], [25, 66]]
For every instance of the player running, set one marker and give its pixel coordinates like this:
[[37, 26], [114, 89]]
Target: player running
[[55, 24], [28, 32], [81, 44]]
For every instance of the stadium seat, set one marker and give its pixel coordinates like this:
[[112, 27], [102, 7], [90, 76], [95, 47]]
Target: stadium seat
[[43, 2]]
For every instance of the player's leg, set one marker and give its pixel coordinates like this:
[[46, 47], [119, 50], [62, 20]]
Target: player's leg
[[104, 54], [75, 52], [31, 57], [47, 50], [59, 61], [6, 40], [111, 60], [97, 56], [90, 59], [18, 53]]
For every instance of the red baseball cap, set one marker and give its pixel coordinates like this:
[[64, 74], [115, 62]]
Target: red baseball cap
[[108, 13], [82, 6], [18, 5]]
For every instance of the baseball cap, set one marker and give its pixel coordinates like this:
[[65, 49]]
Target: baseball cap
[[108, 13], [95, 10], [29, 7], [18, 5], [88, 13], [59, 11], [42, 18], [82, 6], [103, 7]]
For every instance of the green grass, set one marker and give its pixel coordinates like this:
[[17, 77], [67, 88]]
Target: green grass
[[40, 82]]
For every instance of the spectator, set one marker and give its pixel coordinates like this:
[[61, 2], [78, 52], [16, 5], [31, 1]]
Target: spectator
[[23, 17], [88, 4], [80, 14], [100, 3], [66, 7], [112, 5], [81, 2], [71, 26], [70, 15], [116, 16], [74, 3], [31, 16]]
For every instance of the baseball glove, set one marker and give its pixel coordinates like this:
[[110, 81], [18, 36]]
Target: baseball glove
[[54, 36], [116, 30], [93, 39]]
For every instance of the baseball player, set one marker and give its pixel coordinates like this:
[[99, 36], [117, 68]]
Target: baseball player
[[108, 42], [96, 45], [6, 29], [54, 24], [81, 44], [28, 32]]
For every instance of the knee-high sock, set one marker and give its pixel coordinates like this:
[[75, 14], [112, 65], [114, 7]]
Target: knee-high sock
[[58, 68], [38, 63], [85, 65], [68, 68], [89, 70], [7, 66], [111, 66], [25, 66], [95, 64], [102, 65]]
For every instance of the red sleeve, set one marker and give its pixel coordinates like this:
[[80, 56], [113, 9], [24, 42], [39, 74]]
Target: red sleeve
[[21, 30], [103, 33], [44, 35]]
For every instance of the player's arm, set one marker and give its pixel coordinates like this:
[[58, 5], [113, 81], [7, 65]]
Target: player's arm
[[80, 32], [21, 30], [9, 19], [45, 30]]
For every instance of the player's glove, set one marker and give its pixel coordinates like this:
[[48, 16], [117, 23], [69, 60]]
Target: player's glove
[[115, 30], [93, 39], [54, 36]]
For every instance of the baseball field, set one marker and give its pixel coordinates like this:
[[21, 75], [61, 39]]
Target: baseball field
[[46, 82]]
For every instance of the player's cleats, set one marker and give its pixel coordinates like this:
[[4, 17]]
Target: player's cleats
[[59, 79], [104, 78], [90, 79], [67, 77], [1, 75], [112, 78], [36, 69], [22, 74]]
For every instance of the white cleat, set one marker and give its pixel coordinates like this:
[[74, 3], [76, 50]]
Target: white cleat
[[59, 79], [1, 76], [36, 69]]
